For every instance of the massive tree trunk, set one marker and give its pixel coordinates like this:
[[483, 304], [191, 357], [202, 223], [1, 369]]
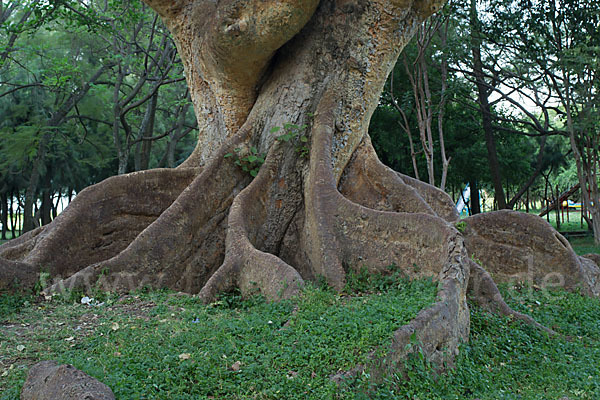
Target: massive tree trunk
[[320, 205]]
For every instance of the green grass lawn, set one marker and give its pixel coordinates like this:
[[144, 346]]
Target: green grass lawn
[[584, 245], [159, 345], [162, 346], [573, 224], [506, 359], [8, 237]]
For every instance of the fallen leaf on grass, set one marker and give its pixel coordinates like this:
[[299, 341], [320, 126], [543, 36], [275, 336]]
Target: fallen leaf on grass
[[185, 356], [5, 373]]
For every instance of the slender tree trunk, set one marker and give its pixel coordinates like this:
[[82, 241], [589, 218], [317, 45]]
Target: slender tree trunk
[[9, 46], [538, 170], [13, 220], [4, 213], [32, 185], [177, 132], [55, 205], [586, 174], [475, 208], [546, 200], [46, 136], [123, 160], [557, 208], [404, 124], [442, 105], [46, 207], [168, 159], [144, 147], [36, 215], [596, 225], [584, 142], [418, 75], [122, 148], [484, 105]]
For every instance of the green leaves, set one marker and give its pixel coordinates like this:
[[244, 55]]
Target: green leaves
[[249, 162], [294, 133]]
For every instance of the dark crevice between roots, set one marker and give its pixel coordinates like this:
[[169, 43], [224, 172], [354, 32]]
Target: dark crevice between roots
[[257, 223]]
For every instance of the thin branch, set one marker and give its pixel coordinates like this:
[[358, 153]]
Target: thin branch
[[20, 87]]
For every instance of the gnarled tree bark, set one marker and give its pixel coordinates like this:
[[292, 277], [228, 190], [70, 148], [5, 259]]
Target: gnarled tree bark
[[208, 226]]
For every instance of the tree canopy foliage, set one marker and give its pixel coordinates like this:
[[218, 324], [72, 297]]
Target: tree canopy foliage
[[537, 63], [88, 90]]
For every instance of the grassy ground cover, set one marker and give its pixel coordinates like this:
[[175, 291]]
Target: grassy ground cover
[[8, 237], [162, 346], [506, 359], [584, 245], [159, 345], [573, 224]]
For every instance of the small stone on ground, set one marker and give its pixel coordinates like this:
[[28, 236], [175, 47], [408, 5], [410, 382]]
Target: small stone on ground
[[48, 380]]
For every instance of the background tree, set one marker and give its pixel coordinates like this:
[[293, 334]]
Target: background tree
[[550, 69], [571, 40], [57, 84], [417, 71]]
